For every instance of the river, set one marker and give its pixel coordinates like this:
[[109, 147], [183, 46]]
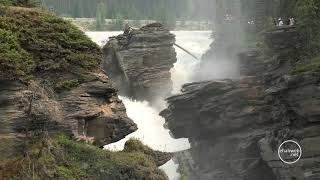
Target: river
[[150, 125]]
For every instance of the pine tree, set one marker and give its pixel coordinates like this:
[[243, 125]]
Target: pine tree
[[119, 22], [100, 16], [307, 17]]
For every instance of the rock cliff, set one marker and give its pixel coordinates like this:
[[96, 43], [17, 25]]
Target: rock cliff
[[236, 126], [55, 102], [47, 96], [140, 61]]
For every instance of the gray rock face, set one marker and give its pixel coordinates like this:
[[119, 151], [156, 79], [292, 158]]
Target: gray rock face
[[281, 37], [236, 126], [94, 110], [90, 110], [140, 61]]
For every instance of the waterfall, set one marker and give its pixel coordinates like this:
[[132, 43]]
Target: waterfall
[[150, 125]]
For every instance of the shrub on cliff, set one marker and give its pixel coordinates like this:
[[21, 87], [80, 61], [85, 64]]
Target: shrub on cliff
[[43, 45], [25, 3], [14, 61], [63, 158], [308, 15], [312, 65]]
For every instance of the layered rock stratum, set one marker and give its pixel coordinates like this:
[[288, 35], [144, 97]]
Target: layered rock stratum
[[140, 61], [236, 126]]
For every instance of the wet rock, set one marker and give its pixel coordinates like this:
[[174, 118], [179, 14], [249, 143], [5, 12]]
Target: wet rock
[[140, 61]]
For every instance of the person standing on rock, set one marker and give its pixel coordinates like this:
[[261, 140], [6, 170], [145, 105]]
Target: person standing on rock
[[292, 21], [127, 29], [280, 22]]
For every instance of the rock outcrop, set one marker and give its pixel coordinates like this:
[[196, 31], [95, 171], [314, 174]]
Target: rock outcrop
[[236, 126], [160, 158], [94, 110], [140, 61], [91, 109]]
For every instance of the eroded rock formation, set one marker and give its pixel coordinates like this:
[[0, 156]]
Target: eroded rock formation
[[236, 126], [140, 61], [92, 109]]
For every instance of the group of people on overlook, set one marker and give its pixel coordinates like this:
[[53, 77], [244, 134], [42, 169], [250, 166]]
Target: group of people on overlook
[[281, 22], [289, 22]]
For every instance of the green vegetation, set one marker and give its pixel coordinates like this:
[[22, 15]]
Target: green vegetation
[[308, 14], [67, 84], [43, 45], [5, 2], [182, 177], [15, 61], [24, 3], [119, 22], [63, 158], [311, 66]]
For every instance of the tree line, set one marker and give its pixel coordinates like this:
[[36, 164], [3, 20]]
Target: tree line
[[133, 9]]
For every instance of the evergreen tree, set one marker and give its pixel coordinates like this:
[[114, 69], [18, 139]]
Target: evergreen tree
[[307, 17], [76, 10], [100, 16], [119, 22], [135, 9]]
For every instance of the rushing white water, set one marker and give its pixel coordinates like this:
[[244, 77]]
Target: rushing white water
[[150, 128], [197, 42], [150, 125], [101, 37]]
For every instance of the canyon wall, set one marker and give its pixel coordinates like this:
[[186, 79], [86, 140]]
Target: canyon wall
[[236, 126]]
